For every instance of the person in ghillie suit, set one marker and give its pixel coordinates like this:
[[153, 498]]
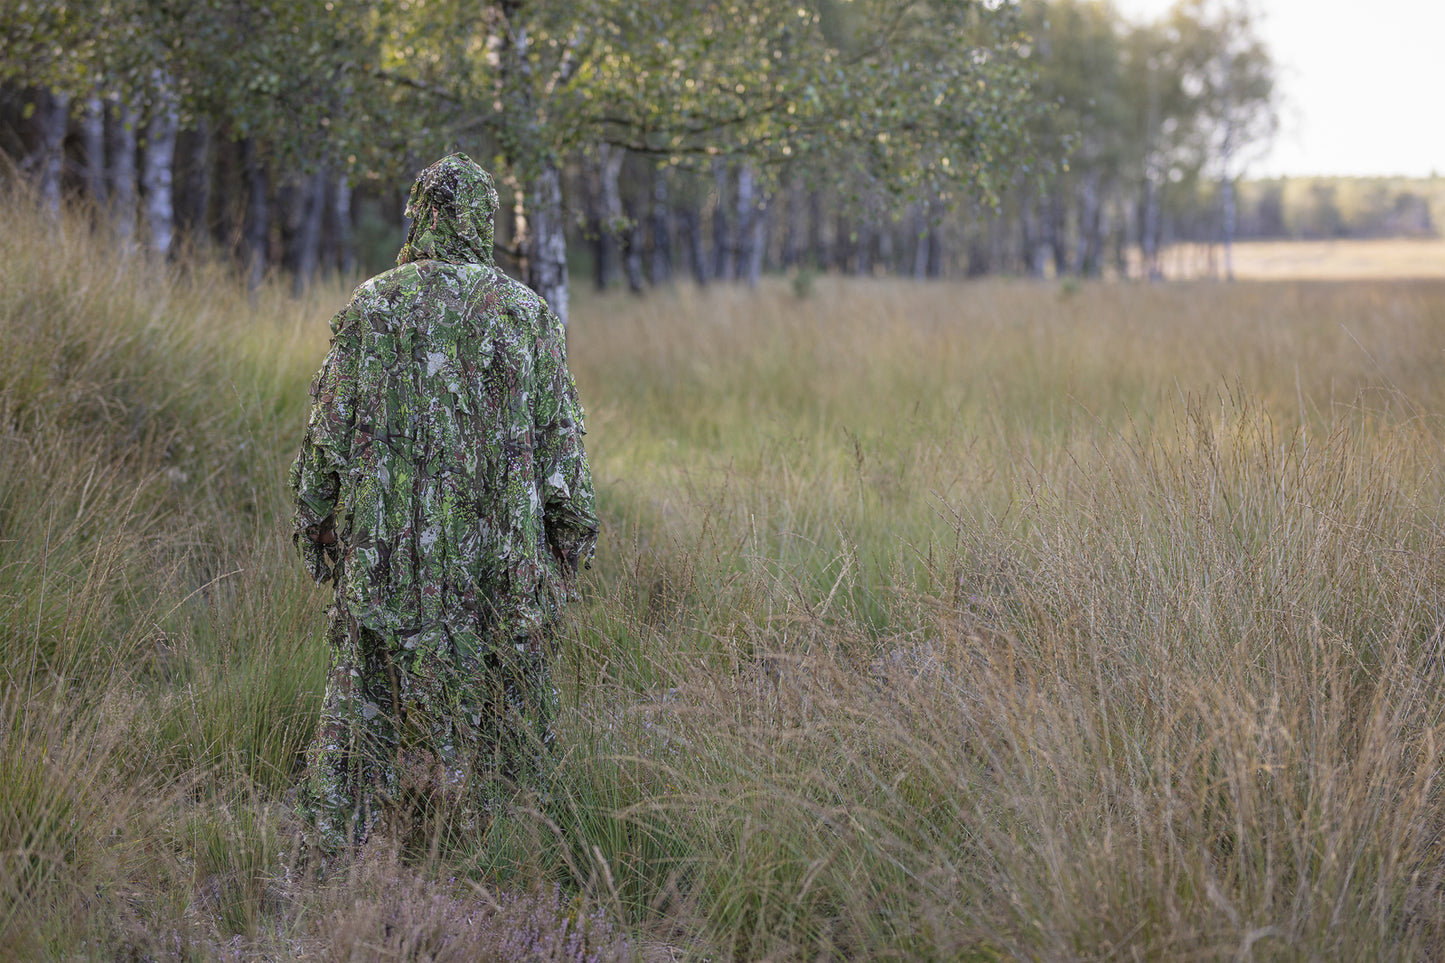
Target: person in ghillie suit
[[443, 486]]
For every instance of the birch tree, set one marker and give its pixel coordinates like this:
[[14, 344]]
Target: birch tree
[[908, 97]]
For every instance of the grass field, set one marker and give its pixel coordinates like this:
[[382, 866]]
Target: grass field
[[1376, 259], [949, 621]]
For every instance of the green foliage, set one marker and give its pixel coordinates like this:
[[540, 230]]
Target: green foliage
[[914, 98]]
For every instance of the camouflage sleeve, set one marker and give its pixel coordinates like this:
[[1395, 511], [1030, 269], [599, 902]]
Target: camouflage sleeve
[[316, 472], [568, 504]]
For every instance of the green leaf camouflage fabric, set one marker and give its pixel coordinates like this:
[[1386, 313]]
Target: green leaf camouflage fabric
[[444, 454]]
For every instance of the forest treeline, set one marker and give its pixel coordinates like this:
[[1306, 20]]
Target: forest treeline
[[644, 142]]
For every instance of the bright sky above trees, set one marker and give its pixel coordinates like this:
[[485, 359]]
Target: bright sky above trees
[[1359, 83]]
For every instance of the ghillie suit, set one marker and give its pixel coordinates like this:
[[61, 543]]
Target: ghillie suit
[[443, 485]]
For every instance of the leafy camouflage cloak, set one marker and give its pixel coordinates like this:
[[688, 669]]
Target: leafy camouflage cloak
[[445, 440]]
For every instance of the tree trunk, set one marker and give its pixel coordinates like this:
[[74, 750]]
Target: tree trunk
[[1226, 194], [793, 228], [722, 248], [305, 253], [1086, 245], [257, 229], [612, 223], [120, 156], [661, 230], [1035, 248], [545, 240], [1149, 230], [92, 141], [1054, 232], [193, 195], [690, 223], [340, 254], [632, 247], [979, 253], [1121, 238], [815, 230], [747, 214], [863, 249], [52, 115], [919, 229], [157, 172], [762, 231]]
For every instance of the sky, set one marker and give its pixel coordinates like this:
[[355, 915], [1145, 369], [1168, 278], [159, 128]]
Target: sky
[[1362, 82]]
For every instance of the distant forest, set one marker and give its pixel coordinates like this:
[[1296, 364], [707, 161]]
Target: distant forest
[[1084, 136]]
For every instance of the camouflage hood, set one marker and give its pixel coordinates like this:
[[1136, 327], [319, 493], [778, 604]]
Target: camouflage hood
[[451, 206]]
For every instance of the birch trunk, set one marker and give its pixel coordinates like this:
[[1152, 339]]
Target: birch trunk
[[936, 253], [885, 249], [1086, 245], [193, 197], [307, 239], [257, 229], [545, 240], [863, 249], [793, 228], [691, 224], [661, 230], [51, 116], [747, 214], [120, 157], [1226, 193], [1149, 230], [751, 269], [340, 228], [157, 171], [919, 224], [815, 230], [722, 248], [1054, 233], [632, 245], [92, 142], [612, 223]]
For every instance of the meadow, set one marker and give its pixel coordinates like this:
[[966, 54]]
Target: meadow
[[948, 621]]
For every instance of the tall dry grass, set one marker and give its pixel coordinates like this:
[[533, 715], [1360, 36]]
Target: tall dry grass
[[981, 621]]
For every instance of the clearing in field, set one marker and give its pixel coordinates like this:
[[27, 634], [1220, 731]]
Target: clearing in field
[[1377, 259]]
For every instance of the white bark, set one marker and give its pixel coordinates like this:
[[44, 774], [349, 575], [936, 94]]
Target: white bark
[[609, 170], [341, 228], [1149, 230], [661, 230], [120, 158], [257, 229], [758, 241], [52, 115], [690, 222], [157, 172], [1086, 246], [723, 263], [311, 195], [545, 241], [92, 141], [921, 235], [793, 229], [747, 213]]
